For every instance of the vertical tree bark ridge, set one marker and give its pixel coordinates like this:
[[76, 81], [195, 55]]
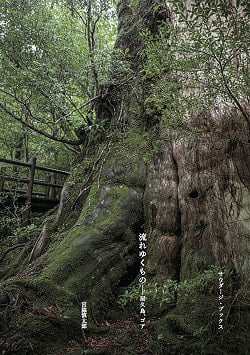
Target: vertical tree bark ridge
[[163, 214]]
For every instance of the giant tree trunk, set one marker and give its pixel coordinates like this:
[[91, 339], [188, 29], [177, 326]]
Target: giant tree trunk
[[190, 196]]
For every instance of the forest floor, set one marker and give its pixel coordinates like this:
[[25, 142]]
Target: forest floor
[[117, 337], [125, 337]]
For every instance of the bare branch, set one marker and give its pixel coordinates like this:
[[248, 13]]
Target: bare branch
[[39, 131], [231, 94], [73, 150], [83, 105]]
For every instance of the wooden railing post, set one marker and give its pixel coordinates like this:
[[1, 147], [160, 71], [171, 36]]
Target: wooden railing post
[[52, 184], [2, 171], [53, 189], [47, 188], [31, 176]]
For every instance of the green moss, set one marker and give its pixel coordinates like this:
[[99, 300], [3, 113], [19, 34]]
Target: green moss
[[191, 328], [88, 263], [99, 217], [52, 293], [101, 210], [154, 106], [179, 323], [37, 334], [103, 206], [125, 163], [34, 325]]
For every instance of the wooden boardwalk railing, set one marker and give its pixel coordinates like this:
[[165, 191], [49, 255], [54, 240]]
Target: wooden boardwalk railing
[[52, 188]]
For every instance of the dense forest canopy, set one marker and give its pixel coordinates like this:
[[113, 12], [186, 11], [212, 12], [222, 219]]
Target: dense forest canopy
[[147, 103], [55, 55]]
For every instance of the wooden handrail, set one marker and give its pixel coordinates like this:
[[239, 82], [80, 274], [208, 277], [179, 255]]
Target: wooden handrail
[[35, 182], [38, 167], [23, 192], [49, 183]]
